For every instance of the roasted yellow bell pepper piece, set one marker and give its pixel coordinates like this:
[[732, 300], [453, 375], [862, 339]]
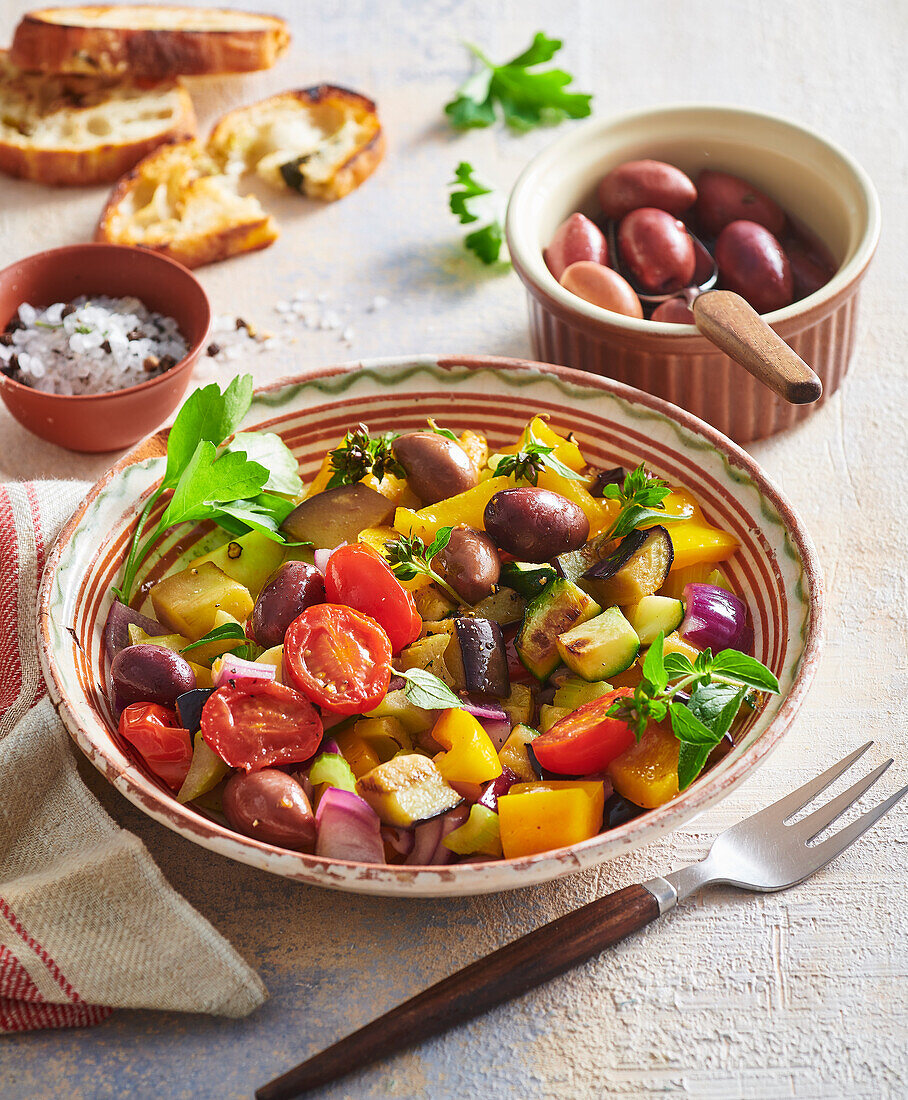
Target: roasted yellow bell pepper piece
[[694, 539], [536, 817], [202, 675], [647, 773], [386, 736], [476, 446], [359, 754], [565, 450], [470, 757], [320, 483], [465, 508], [674, 643]]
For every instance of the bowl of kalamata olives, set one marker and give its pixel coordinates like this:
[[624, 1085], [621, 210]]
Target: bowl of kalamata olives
[[648, 245]]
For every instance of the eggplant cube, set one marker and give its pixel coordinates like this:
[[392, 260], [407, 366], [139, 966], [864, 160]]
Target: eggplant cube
[[187, 602], [639, 567], [406, 790]]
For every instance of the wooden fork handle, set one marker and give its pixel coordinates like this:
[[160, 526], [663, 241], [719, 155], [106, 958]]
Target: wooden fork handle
[[732, 325], [512, 970]]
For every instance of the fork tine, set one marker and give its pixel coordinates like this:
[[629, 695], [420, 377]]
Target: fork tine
[[789, 805], [844, 838], [821, 818]]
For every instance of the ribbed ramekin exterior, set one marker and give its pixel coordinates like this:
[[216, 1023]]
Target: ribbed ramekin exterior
[[708, 384]]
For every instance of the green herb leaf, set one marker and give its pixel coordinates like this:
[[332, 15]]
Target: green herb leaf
[[441, 540], [748, 670], [206, 415], [210, 480], [654, 665], [409, 557], [426, 691], [691, 761], [222, 633], [688, 727], [678, 664], [361, 454], [472, 203], [268, 449], [446, 432], [531, 457], [524, 99], [716, 705], [641, 499]]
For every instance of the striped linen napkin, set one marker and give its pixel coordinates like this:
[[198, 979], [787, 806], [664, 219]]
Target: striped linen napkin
[[87, 921]]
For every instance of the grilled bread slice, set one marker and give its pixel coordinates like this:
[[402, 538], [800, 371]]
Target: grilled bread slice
[[178, 202], [147, 41], [322, 141], [83, 130]]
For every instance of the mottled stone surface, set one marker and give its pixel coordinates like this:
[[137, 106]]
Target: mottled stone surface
[[732, 997]]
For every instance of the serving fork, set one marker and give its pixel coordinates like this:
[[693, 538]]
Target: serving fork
[[764, 852]]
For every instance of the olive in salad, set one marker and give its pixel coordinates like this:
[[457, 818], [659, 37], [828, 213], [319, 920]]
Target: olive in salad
[[435, 652]]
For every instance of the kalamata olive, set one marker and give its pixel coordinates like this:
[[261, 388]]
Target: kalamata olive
[[436, 466], [269, 805], [657, 250], [535, 524], [296, 586], [603, 287], [150, 674], [639, 183], [723, 198], [577, 238], [469, 563], [811, 266], [752, 263], [675, 311]]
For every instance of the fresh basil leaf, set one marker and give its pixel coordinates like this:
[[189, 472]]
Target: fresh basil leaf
[[748, 670], [219, 634], [686, 726], [716, 705], [426, 691], [691, 761], [268, 449], [654, 664], [678, 664]]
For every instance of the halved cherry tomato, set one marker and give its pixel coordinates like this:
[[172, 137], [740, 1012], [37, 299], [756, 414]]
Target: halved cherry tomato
[[586, 740], [338, 657], [156, 734], [359, 577], [261, 725]]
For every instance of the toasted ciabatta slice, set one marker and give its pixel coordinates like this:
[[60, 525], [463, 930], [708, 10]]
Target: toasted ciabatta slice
[[82, 130], [178, 202], [148, 41], [322, 141]]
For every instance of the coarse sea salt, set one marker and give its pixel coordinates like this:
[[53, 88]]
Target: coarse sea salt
[[89, 345]]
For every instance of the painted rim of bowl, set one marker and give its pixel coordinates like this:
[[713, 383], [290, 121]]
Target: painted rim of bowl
[[192, 352], [476, 877], [531, 266]]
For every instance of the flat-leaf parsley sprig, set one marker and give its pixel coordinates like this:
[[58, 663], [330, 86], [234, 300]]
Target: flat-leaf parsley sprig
[[209, 481], [473, 202], [409, 557], [360, 454], [532, 457], [716, 686], [640, 497], [523, 98]]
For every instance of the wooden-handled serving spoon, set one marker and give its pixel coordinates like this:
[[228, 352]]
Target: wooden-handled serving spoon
[[729, 322]]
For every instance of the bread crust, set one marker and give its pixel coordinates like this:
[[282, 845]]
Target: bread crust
[[253, 231], [349, 173], [67, 162], [154, 51]]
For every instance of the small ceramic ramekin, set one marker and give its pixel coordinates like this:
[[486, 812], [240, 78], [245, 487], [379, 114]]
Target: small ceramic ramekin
[[104, 421], [815, 181]]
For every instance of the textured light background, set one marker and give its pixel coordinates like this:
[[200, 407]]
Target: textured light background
[[732, 997]]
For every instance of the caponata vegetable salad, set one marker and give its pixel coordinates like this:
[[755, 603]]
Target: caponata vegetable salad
[[434, 652]]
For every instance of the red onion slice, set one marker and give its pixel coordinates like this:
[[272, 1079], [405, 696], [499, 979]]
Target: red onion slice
[[322, 556], [713, 617], [238, 672], [348, 828]]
